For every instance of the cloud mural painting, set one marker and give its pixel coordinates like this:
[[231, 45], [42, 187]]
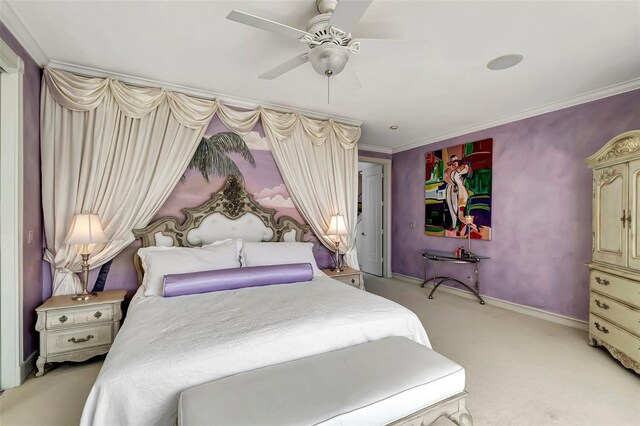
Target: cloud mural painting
[[275, 198]]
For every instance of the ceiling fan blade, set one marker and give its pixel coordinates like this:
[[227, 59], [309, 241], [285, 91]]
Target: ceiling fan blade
[[265, 24], [348, 79], [285, 67], [348, 13]]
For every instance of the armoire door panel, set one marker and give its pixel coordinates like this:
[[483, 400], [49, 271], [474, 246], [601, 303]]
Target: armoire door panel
[[609, 210], [632, 214]]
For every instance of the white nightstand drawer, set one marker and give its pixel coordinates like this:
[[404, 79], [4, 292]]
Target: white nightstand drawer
[[353, 280], [78, 316], [79, 338]]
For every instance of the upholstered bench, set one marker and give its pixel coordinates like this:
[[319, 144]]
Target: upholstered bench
[[390, 381]]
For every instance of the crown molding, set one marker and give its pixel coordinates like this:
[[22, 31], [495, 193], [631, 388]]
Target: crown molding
[[584, 98], [22, 34], [191, 91], [375, 148]]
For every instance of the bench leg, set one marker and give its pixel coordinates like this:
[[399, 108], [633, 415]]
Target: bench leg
[[452, 408], [462, 417]]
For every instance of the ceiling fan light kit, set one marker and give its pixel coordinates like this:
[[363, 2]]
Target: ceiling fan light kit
[[327, 35], [329, 59]]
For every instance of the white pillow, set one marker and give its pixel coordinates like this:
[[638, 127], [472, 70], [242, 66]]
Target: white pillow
[[280, 253], [160, 261]]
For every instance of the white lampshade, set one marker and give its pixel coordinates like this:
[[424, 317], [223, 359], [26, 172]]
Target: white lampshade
[[86, 229], [337, 226]]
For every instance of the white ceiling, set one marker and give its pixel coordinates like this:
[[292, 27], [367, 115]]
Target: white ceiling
[[434, 88]]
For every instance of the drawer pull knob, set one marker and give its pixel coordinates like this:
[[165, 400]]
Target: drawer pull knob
[[63, 319], [81, 340], [601, 305], [353, 280], [98, 314], [602, 281], [605, 330]]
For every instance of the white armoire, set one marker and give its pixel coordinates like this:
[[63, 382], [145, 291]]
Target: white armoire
[[614, 272]]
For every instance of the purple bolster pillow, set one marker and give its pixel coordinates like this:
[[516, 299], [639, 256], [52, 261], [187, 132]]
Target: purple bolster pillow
[[230, 279]]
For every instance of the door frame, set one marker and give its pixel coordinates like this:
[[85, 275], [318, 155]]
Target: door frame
[[11, 214], [386, 209]]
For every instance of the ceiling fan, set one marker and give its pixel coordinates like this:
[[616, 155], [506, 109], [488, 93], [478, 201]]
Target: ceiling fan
[[328, 36]]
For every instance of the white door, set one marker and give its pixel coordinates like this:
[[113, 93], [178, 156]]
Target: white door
[[369, 239], [632, 214], [609, 209]]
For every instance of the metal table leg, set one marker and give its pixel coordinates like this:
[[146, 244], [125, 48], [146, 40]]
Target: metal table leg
[[438, 280], [425, 273], [433, 261], [444, 279]]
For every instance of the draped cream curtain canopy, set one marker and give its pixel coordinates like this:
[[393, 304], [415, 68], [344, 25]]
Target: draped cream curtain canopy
[[118, 151]]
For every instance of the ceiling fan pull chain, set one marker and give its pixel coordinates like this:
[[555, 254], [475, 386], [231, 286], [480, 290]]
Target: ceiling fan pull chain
[[328, 89]]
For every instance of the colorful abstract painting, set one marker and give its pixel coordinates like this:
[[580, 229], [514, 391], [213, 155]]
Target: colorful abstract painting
[[457, 192]]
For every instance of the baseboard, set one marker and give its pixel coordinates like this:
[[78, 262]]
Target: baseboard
[[27, 366], [504, 304]]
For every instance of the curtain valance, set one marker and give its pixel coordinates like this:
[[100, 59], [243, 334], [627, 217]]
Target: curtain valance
[[281, 125], [77, 93]]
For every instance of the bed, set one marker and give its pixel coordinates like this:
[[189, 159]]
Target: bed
[[167, 345]]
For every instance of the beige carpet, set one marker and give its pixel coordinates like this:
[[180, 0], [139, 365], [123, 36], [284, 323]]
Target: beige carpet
[[520, 370]]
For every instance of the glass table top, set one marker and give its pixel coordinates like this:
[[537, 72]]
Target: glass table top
[[447, 255]]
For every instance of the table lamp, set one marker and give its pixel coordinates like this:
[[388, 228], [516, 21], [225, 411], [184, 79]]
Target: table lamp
[[469, 221], [337, 228], [86, 231]]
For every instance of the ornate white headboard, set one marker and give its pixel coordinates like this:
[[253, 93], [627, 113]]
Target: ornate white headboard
[[229, 213]]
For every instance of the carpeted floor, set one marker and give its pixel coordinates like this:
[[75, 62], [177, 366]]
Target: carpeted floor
[[520, 370]]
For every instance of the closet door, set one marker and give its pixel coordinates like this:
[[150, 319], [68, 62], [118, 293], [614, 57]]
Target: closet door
[[632, 214], [610, 192]]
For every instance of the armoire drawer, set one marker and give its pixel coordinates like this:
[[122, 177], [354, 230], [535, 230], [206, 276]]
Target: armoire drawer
[[616, 287], [616, 312], [625, 342]]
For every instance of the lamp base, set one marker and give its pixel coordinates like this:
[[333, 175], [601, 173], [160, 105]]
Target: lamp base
[[84, 296]]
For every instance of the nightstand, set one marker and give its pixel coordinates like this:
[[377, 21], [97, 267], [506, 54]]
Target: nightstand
[[77, 330], [349, 276]]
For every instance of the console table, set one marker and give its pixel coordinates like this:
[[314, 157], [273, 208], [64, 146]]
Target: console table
[[443, 256]]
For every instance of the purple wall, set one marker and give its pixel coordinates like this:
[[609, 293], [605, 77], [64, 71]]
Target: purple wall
[[541, 205], [32, 207]]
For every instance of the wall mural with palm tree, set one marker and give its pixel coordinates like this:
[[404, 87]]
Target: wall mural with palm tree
[[221, 153], [212, 156]]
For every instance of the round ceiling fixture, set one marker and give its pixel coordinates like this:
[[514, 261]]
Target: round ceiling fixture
[[329, 59], [505, 61], [394, 127]]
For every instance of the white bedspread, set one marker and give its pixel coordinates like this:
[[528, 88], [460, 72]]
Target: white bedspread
[[167, 345]]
